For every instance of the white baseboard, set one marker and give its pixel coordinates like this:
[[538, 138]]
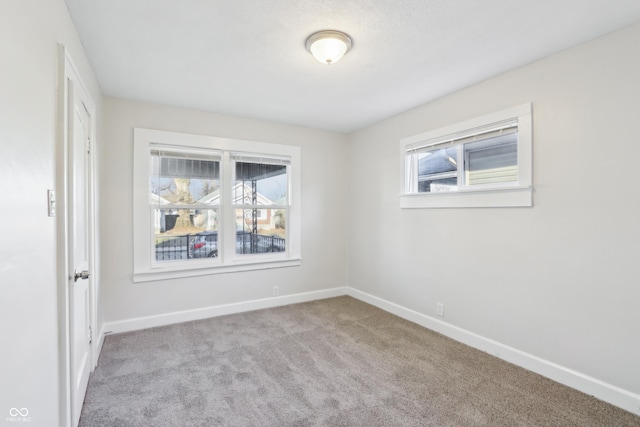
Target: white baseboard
[[218, 310], [614, 395]]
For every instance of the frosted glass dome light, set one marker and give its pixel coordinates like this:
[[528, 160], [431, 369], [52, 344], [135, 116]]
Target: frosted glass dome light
[[328, 46]]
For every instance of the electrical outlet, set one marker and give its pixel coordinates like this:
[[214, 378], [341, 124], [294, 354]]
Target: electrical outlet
[[276, 291], [440, 309]]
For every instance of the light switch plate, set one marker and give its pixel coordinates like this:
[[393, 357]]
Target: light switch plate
[[51, 197]]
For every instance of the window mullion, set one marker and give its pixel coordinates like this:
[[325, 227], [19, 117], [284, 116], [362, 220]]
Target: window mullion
[[461, 166], [228, 212]]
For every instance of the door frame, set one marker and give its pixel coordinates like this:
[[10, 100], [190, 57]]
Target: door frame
[[67, 71]]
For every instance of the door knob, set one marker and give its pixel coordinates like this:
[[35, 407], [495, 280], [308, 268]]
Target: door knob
[[84, 275]]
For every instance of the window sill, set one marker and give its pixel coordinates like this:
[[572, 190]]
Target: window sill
[[485, 198], [238, 266]]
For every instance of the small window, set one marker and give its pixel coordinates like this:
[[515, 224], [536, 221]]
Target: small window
[[479, 163], [206, 205]]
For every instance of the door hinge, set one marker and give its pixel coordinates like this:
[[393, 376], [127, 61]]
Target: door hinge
[[90, 335], [89, 145]]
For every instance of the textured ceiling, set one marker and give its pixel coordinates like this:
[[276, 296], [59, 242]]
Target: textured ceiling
[[247, 57]]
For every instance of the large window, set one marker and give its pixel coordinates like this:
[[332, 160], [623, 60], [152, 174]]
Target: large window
[[479, 163], [205, 205]]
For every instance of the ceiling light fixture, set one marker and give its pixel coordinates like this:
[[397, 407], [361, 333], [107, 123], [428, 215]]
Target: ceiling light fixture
[[328, 46]]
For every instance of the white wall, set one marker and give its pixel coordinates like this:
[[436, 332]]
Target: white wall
[[559, 280], [324, 226], [30, 31]]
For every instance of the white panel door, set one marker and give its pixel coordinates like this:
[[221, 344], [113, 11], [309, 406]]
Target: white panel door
[[79, 256]]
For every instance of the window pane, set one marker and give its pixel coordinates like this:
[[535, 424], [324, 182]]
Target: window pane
[[438, 185], [260, 184], [260, 230], [438, 170], [185, 233], [493, 160], [184, 181]]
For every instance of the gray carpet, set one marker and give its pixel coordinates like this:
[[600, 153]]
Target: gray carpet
[[334, 362]]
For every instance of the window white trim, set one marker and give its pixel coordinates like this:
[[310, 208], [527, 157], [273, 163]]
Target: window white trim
[[145, 267], [512, 194]]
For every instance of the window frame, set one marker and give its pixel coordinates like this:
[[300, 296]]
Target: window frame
[[508, 194], [146, 268]]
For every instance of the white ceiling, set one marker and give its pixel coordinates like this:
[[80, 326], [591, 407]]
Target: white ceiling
[[247, 57]]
